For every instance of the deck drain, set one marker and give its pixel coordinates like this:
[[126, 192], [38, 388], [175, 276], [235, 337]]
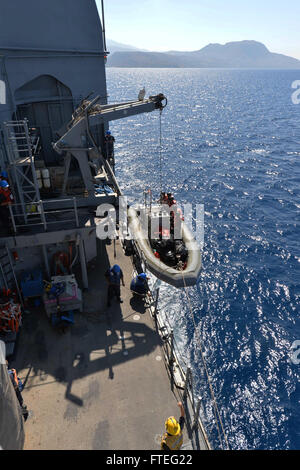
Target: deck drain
[[136, 317], [158, 358]]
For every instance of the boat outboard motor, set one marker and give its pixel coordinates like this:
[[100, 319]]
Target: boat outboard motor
[[169, 258]]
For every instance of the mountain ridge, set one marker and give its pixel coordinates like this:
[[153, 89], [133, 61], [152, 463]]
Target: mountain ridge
[[235, 54]]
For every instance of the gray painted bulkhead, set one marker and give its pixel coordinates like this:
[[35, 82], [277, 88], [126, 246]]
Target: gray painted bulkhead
[[51, 57]]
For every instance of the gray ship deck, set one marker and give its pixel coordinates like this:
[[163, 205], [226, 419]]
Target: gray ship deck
[[103, 384]]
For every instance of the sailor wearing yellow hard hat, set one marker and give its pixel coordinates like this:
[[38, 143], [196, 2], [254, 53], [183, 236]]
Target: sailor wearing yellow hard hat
[[173, 437]]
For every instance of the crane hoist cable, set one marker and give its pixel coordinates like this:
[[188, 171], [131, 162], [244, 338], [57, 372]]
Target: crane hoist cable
[[160, 151]]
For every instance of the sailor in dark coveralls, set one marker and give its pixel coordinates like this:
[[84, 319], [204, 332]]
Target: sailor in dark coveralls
[[18, 386], [114, 276], [109, 153], [139, 285], [109, 145]]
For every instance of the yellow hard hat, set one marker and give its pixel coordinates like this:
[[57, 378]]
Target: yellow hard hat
[[172, 426]]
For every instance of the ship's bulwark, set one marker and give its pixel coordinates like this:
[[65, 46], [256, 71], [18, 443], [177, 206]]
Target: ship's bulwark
[[12, 427], [51, 57]]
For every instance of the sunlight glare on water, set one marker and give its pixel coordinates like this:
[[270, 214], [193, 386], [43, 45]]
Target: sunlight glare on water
[[231, 142]]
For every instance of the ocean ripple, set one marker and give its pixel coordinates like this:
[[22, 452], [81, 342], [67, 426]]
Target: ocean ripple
[[231, 142]]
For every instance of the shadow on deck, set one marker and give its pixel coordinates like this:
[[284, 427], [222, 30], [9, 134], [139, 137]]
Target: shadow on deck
[[105, 373]]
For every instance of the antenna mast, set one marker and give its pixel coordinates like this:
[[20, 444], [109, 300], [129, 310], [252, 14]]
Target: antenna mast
[[103, 26]]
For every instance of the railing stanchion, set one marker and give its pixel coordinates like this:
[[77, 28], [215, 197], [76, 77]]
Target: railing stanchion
[[76, 211], [171, 359], [187, 380], [197, 413], [156, 307], [156, 302], [43, 217], [12, 218]]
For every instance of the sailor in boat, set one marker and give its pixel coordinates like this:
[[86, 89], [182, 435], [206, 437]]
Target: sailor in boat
[[167, 198], [163, 198], [181, 254], [170, 200], [170, 251]]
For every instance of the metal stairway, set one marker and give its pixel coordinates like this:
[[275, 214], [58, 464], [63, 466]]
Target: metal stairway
[[21, 168]]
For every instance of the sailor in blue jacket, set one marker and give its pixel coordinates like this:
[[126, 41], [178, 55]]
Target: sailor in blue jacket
[[114, 276], [139, 285]]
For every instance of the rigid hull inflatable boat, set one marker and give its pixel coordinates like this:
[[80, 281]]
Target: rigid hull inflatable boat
[[176, 261]]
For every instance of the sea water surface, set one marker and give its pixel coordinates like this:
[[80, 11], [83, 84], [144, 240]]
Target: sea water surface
[[230, 141]]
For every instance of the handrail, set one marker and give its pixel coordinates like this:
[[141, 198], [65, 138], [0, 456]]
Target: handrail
[[41, 213], [185, 390]]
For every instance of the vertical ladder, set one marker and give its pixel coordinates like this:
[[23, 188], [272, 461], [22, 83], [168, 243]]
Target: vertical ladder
[[7, 271], [21, 165]]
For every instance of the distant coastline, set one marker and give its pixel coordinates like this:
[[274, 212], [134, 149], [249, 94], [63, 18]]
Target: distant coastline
[[241, 54]]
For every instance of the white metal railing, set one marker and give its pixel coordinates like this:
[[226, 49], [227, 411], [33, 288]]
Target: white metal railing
[[38, 215], [182, 379]]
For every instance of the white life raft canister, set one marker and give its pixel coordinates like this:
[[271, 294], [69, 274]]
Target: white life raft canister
[[46, 178]]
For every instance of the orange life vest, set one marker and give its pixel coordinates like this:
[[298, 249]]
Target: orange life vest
[[7, 195]]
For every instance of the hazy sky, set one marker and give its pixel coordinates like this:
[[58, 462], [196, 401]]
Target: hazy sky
[[162, 25]]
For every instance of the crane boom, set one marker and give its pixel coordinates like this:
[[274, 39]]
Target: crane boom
[[78, 141]]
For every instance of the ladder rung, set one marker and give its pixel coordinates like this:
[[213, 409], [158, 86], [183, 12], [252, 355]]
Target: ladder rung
[[4, 265], [22, 161], [7, 272]]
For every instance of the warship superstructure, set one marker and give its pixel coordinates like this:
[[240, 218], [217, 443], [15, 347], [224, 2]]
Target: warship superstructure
[[113, 368]]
